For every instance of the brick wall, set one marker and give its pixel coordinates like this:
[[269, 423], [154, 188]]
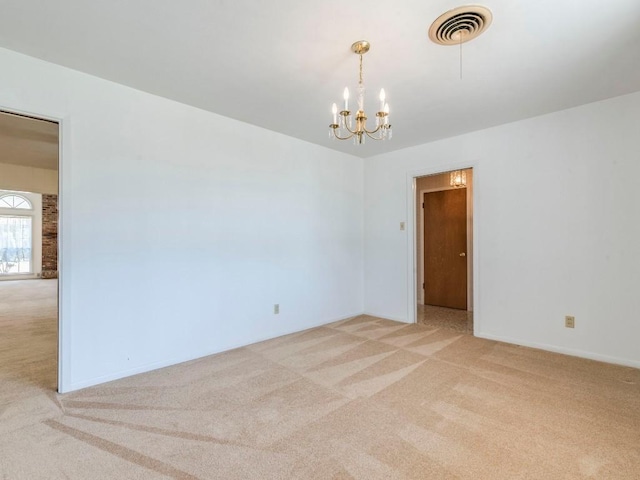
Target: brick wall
[[49, 236]]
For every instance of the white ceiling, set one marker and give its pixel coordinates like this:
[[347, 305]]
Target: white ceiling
[[281, 64], [28, 142]]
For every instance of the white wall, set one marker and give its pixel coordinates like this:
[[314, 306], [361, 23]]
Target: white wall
[[180, 228], [557, 219]]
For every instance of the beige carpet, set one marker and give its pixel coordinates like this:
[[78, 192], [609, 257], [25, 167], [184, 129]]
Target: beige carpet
[[364, 398]]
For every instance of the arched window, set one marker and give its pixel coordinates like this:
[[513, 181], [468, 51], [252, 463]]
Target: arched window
[[15, 201], [16, 240]]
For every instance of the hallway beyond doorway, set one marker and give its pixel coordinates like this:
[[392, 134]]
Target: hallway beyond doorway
[[29, 338], [459, 320]]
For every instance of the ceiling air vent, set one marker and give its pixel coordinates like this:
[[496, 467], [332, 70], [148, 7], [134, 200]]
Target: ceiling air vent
[[460, 25]]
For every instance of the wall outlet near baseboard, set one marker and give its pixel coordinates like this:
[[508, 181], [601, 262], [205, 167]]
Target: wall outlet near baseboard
[[276, 308], [570, 321]]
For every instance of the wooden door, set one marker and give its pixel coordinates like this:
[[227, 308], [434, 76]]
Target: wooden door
[[445, 248]]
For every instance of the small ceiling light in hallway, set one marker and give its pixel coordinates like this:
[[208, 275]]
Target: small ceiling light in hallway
[[458, 179]]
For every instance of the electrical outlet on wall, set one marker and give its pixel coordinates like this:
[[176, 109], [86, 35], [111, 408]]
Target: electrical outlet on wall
[[276, 308], [570, 321]]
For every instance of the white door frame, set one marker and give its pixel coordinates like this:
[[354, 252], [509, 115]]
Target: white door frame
[[64, 222], [412, 267]]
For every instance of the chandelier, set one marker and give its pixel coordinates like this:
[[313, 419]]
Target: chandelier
[[342, 127]]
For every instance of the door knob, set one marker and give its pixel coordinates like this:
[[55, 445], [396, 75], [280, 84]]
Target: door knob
[[463, 254]]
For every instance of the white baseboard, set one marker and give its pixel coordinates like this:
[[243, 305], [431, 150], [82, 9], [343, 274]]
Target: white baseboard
[[566, 351]]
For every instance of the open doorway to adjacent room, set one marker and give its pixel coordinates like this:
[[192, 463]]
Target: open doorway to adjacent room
[[444, 250], [29, 331]]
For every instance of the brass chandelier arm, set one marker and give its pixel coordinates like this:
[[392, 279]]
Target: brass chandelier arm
[[353, 134], [345, 125], [371, 134], [382, 129]]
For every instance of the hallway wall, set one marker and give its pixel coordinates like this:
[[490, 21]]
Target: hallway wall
[[28, 179]]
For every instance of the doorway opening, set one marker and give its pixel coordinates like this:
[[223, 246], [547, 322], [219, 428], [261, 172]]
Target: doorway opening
[[29, 187], [444, 250]]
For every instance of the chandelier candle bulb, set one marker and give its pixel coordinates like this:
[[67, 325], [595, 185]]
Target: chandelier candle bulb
[[386, 113], [334, 110], [346, 99], [382, 97]]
